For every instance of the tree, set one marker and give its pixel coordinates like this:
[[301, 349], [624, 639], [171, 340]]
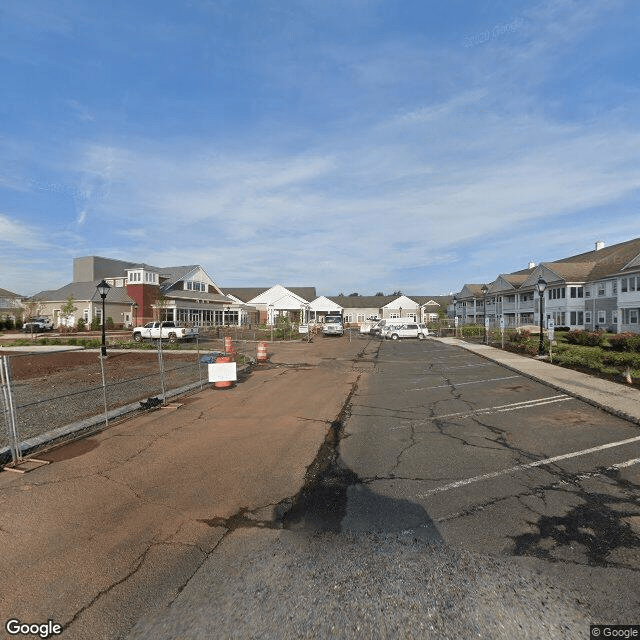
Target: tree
[[397, 293], [380, 293], [67, 317], [33, 308], [160, 304], [353, 295]]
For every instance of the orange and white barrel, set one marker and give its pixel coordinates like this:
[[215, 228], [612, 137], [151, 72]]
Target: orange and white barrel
[[223, 384], [262, 352], [228, 345]]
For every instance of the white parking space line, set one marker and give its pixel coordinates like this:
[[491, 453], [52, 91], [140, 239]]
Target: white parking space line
[[473, 366], [537, 463], [526, 404], [460, 384]]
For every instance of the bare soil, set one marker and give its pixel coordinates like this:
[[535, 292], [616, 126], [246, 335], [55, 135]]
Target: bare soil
[[79, 365]]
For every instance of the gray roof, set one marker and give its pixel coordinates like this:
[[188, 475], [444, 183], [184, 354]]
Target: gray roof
[[377, 302], [82, 291], [249, 293], [181, 294], [5, 293]]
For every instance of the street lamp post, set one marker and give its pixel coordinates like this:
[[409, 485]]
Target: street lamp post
[[103, 289], [484, 290], [541, 285], [455, 314]]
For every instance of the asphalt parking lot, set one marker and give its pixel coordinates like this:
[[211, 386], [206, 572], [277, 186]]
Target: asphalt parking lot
[[497, 463]]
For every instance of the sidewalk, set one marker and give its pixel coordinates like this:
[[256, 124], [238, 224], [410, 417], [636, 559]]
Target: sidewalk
[[612, 397]]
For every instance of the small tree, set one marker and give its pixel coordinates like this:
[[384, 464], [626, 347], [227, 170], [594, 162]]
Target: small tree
[[32, 309], [159, 306], [67, 311]]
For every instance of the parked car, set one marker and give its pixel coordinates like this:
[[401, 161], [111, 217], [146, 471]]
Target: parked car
[[407, 330], [165, 330], [37, 325], [376, 329]]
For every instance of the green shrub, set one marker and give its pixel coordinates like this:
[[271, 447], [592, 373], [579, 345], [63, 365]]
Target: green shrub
[[472, 330], [82, 324], [96, 324], [624, 342], [586, 338], [519, 337]]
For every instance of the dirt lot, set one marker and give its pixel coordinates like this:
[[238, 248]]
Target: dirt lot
[[80, 365], [55, 389]]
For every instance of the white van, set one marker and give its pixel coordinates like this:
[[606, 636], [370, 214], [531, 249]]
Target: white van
[[376, 330]]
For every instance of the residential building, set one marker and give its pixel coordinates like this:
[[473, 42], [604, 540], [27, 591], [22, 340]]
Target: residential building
[[598, 289], [273, 302], [10, 305], [358, 309]]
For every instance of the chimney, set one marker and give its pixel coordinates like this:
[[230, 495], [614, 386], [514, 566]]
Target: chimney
[[531, 265], [599, 245]]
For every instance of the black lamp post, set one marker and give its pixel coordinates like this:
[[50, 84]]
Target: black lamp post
[[541, 285], [484, 290], [103, 289]]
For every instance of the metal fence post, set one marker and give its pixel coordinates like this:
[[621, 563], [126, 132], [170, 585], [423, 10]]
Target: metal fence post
[[104, 389], [9, 410]]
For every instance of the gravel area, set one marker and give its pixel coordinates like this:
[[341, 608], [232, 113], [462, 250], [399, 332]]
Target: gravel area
[[369, 586]]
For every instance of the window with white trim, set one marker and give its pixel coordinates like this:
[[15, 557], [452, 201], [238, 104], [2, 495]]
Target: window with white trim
[[602, 316]]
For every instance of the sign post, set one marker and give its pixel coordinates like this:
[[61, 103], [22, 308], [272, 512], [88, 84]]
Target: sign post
[[551, 325]]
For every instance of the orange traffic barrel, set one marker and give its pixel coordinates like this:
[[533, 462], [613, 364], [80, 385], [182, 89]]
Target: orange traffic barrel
[[262, 352], [228, 345], [223, 384]]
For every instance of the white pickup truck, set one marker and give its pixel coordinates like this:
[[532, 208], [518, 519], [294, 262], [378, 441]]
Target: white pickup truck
[[37, 325], [168, 331]]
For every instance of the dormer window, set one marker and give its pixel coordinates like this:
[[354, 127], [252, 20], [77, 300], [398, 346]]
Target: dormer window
[[139, 276], [192, 285]]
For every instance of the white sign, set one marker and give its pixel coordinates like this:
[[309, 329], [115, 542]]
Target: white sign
[[550, 328], [455, 321], [486, 323], [501, 324], [222, 372]]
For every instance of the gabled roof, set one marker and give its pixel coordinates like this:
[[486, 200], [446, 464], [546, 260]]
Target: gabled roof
[[5, 293], [441, 301], [361, 302], [322, 303], [601, 263], [470, 291], [82, 291], [401, 301], [245, 294]]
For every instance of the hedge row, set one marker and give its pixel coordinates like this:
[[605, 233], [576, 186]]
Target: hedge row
[[597, 359]]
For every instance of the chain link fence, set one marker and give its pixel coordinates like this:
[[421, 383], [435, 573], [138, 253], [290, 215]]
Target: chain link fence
[[50, 397]]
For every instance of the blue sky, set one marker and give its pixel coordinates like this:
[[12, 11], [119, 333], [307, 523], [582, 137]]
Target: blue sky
[[351, 145]]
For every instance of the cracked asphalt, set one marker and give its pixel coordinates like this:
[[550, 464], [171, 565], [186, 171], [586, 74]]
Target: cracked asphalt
[[119, 523], [349, 489]]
